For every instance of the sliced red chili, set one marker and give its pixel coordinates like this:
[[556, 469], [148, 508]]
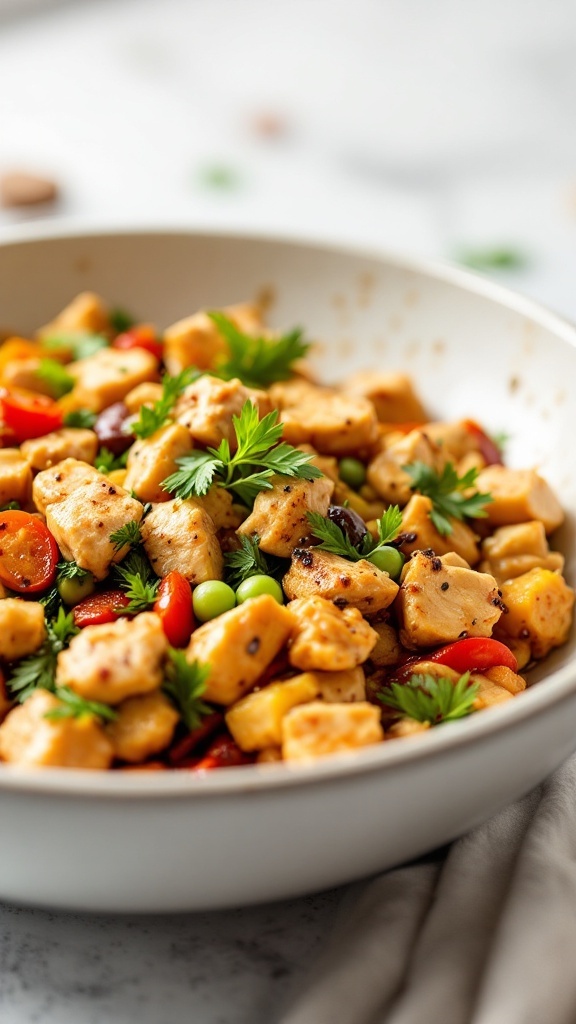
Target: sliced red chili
[[28, 414], [174, 606], [478, 653], [489, 451], [28, 553], [223, 752], [100, 608]]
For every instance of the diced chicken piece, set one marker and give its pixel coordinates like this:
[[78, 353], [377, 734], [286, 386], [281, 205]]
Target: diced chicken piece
[[391, 394], [279, 517], [68, 443], [328, 638], [82, 523], [239, 645], [347, 687], [28, 737], [24, 374], [110, 375], [496, 685], [332, 422], [256, 721], [207, 407], [196, 341], [317, 729], [15, 477], [474, 460], [22, 629], [455, 439], [514, 550], [385, 472], [152, 459], [440, 603], [59, 482], [143, 394], [145, 726], [86, 313], [270, 755], [518, 496], [219, 505], [116, 660], [406, 727], [387, 649], [180, 535], [361, 585], [421, 534], [540, 608]]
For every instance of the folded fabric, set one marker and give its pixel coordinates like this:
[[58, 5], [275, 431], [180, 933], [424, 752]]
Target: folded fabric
[[483, 932]]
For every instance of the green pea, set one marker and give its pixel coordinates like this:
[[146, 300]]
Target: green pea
[[211, 599], [255, 586], [352, 472], [74, 590], [389, 560]]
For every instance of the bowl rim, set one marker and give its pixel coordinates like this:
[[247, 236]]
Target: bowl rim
[[560, 685]]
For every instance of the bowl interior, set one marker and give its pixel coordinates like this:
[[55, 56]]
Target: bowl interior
[[472, 348]]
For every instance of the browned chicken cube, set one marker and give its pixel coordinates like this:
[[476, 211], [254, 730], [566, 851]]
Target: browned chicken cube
[[22, 629], [152, 459], [391, 394], [420, 533], [145, 726], [328, 638], [439, 603], [196, 341], [60, 481], [279, 518], [239, 645], [15, 477], [68, 443], [108, 376], [86, 313], [316, 729], [514, 550], [333, 422], [518, 496], [315, 573], [539, 609], [180, 535], [207, 408], [28, 737]]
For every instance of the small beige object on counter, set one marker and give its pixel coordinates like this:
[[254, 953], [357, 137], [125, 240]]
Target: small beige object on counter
[[20, 188]]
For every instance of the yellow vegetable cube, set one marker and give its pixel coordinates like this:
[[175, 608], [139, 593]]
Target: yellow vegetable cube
[[539, 607], [256, 721]]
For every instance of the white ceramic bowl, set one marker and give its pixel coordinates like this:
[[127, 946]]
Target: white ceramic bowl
[[114, 842]]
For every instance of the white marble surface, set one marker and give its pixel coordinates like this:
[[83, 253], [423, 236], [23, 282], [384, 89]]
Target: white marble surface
[[406, 124]]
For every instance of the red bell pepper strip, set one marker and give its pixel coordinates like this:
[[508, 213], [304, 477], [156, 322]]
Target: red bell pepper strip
[[174, 606], [100, 608], [474, 653], [28, 414], [140, 337]]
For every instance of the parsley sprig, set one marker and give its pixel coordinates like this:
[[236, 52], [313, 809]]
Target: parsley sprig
[[151, 418], [74, 706], [137, 579], [56, 377], [39, 669], [431, 700], [246, 562], [334, 540], [128, 534], [259, 456], [185, 682], [106, 461], [445, 491], [80, 418], [258, 362], [72, 571]]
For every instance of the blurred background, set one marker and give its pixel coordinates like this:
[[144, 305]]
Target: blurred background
[[435, 127]]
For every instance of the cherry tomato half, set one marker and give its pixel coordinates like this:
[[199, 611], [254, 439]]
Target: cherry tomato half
[[488, 449], [28, 414], [140, 337], [174, 606], [28, 553], [100, 608], [474, 653]]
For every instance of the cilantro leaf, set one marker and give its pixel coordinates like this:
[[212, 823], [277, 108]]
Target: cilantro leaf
[[185, 682], [258, 362], [82, 344], [128, 534], [74, 706], [445, 491], [247, 561], [39, 669], [56, 377], [71, 571], [138, 580], [257, 458], [80, 418], [431, 700], [150, 419]]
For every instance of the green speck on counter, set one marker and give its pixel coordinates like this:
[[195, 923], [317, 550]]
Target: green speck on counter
[[497, 258], [219, 178]]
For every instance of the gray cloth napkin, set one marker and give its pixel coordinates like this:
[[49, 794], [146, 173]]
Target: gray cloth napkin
[[482, 933]]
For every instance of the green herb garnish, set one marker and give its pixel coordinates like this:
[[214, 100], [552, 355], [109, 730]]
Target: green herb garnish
[[121, 320], [431, 700], [74, 706], [138, 580], [185, 682], [82, 344], [247, 561], [150, 419], [39, 669], [445, 492], [501, 258], [10, 506], [334, 539], [107, 462], [258, 362], [83, 418], [56, 377], [258, 457], [128, 534]]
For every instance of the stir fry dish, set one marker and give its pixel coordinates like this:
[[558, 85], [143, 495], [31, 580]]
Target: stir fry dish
[[209, 559]]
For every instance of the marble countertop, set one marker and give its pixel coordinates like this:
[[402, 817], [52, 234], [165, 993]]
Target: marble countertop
[[425, 128]]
